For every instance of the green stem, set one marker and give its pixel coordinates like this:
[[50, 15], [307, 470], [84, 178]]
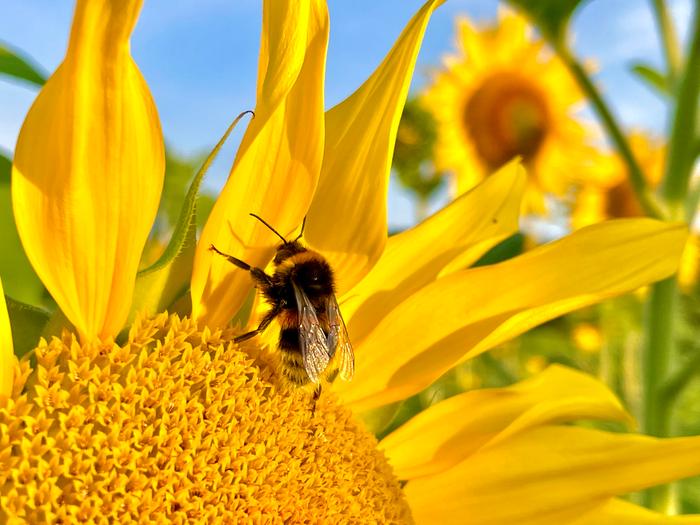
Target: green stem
[[682, 142], [676, 383], [693, 197], [636, 176], [669, 38], [660, 317], [662, 307], [657, 353]]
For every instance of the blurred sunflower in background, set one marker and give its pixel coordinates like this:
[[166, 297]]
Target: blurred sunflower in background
[[606, 193], [505, 94], [173, 421]]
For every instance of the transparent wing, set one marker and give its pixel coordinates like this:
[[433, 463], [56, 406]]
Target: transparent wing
[[338, 340], [312, 339]]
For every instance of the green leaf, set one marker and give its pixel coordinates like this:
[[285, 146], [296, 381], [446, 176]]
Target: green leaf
[[166, 280], [57, 323], [27, 324], [18, 277], [550, 16], [413, 151], [653, 78], [13, 64]]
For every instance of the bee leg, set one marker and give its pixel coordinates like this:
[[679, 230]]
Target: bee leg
[[236, 262], [258, 275], [269, 316], [314, 399]]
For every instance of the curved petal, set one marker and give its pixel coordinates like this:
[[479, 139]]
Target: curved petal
[[452, 430], [468, 312], [621, 512], [347, 219], [575, 469], [277, 166], [88, 171], [8, 360], [463, 231]]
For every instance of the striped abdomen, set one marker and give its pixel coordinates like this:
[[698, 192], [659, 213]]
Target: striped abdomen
[[289, 346]]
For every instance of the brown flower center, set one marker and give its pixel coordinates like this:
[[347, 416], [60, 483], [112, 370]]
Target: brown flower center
[[505, 117], [622, 202]]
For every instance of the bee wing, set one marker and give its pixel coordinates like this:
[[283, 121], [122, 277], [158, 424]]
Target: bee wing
[[338, 340], [312, 339]]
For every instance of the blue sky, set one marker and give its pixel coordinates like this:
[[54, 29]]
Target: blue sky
[[200, 57]]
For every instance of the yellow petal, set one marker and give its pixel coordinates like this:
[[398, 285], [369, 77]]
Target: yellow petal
[[462, 231], [621, 512], [8, 361], [88, 171], [549, 471], [278, 163], [347, 219], [468, 312], [448, 432]]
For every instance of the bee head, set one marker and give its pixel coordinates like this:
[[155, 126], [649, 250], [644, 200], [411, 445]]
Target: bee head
[[286, 250]]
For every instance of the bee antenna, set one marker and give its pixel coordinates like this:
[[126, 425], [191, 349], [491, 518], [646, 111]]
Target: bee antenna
[[270, 227], [303, 223]]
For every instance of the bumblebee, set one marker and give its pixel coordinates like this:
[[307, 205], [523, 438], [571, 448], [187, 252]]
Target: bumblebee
[[313, 341]]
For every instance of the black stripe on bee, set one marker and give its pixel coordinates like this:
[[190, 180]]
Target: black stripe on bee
[[289, 341]]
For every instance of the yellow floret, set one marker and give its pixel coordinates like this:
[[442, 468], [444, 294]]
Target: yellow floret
[[180, 425]]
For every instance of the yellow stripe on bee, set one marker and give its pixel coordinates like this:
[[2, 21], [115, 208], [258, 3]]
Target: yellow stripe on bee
[[298, 258], [289, 358]]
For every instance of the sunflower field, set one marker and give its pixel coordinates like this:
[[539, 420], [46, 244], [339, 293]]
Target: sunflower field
[[302, 261]]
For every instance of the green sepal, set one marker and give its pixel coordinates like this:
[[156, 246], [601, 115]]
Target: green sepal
[[156, 289], [178, 176], [27, 322], [13, 64], [161, 284], [550, 16], [653, 78]]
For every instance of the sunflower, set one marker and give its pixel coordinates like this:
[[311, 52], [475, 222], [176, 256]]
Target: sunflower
[[504, 94], [175, 423], [606, 193]]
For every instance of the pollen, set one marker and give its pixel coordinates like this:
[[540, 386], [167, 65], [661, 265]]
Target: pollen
[[180, 425]]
